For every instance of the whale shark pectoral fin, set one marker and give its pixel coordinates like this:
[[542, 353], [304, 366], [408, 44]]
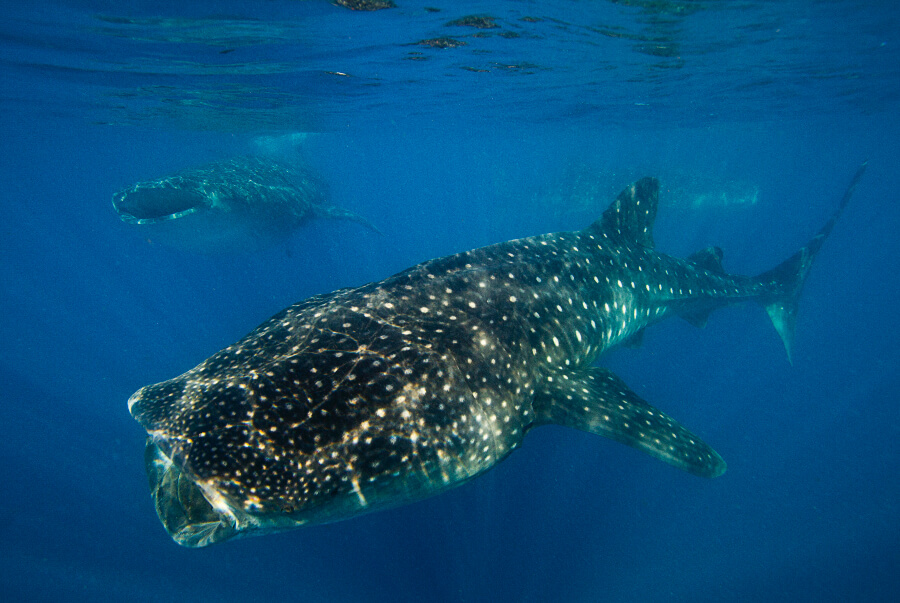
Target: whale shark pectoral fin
[[338, 213], [597, 401]]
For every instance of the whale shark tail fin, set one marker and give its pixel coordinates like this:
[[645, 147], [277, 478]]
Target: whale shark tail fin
[[787, 278]]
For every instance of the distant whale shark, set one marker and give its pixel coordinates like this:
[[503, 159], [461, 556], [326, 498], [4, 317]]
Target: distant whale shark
[[378, 395], [240, 204]]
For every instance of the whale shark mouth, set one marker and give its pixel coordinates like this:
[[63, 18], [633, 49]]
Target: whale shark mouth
[[151, 205], [194, 512], [194, 517]]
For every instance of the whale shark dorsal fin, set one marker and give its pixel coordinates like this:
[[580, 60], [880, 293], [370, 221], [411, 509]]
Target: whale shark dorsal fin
[[597, 401], [708, 259], [632, 214]]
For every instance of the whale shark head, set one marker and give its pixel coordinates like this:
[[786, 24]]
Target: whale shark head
[[330, 410]]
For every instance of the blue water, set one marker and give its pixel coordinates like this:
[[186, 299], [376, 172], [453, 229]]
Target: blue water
[[445, 150]]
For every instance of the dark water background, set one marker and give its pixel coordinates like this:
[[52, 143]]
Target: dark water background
[[446, 150]]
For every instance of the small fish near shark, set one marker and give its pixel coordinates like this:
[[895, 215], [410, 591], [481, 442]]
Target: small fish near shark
[[245, 203], [375, 396]]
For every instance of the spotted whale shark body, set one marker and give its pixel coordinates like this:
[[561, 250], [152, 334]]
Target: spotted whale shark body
[[379, 395], [244, 203]]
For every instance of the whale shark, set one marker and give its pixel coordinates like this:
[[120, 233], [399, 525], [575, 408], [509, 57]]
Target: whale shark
[[375, 396], [244, 203]]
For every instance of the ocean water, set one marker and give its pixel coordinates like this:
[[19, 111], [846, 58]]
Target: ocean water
[[754, 115]]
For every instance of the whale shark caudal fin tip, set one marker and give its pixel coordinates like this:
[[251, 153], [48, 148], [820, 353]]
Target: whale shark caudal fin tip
[[787, 278]]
